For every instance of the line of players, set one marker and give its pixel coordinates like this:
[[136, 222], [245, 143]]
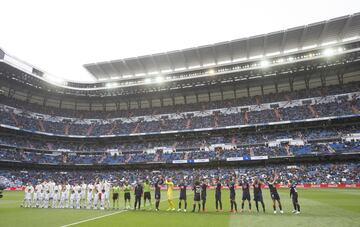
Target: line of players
[[48, 194], [199, 188], [97, 195]]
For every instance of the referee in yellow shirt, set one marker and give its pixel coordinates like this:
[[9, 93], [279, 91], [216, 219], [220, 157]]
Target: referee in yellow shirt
[[170, 188]]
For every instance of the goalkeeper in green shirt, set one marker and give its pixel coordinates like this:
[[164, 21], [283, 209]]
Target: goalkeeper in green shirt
[[115, 196], [147, 194], [127, 197]]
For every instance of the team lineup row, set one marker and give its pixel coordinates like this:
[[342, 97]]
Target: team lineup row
[[96, 195]]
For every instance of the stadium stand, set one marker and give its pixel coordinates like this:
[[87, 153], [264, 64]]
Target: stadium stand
[[296, 107]]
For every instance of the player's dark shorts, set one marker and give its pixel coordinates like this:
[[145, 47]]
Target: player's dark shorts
[[218, 196], [182, 197], [258, 197], [157, 196], [115, 196], [232, 196], [275, 196], [197, 197], [246, 196], [203, 197], [147, 195], [127, 196], [294, 198]]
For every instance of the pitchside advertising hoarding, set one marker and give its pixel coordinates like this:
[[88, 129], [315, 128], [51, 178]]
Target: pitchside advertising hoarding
[[232, 159]]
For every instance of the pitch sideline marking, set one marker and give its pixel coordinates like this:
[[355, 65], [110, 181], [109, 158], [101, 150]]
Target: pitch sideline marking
[[91, 219], [103, 216]]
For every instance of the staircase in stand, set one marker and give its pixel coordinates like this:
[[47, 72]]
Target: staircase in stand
[[90, 129], [246, 117], [313, 111], [15, 120], [41, 125], [188, 123], [66, 128], [136, 129], [277, 114], [114, 125]]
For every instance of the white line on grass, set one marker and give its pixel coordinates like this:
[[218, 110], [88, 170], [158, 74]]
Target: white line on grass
[[91, 219], [103, 216]]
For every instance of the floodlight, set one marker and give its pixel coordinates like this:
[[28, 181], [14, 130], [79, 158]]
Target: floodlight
[[280, 60], [329, 43], [111, 85], [159, 79], [350, 38], [153, 73], [211, 71], [54, 80], [166, 70], [273, 53], [180, 69], [329, 52], [239, 59], [264, 63], [309, 47], [291, 50], [147, 80], [209, 64]]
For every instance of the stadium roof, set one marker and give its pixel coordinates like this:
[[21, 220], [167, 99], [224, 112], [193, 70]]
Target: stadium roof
[[291, 40]]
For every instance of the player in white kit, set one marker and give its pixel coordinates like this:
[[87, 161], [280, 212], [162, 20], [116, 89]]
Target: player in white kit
[[77, 189], [90, 192], [83, 194], [29, 190], [36, 196], [99, 195], [107, 188], [46, 199], [72, 197], [63, 198], [67, 190], [56, 196], [40, 198], [51, 185]]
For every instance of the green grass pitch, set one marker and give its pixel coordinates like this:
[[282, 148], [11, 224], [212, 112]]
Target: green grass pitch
[[320, 207]]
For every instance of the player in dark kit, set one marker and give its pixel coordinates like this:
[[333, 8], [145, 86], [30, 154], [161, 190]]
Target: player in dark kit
[[231, 185], [203, 194], [274, 194], [197, 191], [258, 194], [245, 194], [218, 195], [147, 192], [294, 197], [182, 197], [138, 194], [157, 185]]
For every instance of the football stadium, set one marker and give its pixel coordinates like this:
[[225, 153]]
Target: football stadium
[[257, 131]]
